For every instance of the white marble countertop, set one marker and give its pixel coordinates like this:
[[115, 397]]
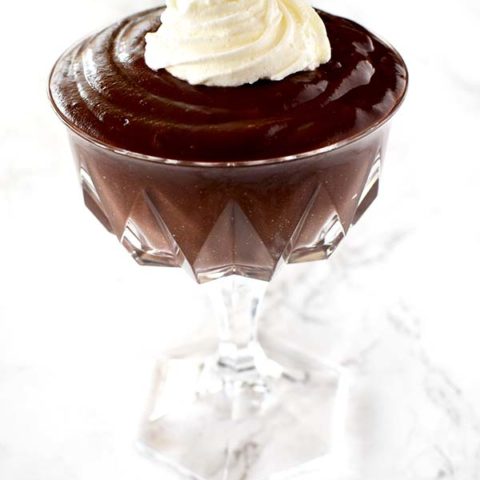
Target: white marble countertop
[[80, 323]]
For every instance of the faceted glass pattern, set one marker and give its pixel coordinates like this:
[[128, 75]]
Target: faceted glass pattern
[[216, 221]]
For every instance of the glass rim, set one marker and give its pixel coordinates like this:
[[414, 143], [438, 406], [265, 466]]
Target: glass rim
[[235, 163]]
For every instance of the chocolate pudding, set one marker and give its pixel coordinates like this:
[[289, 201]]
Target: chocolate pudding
[[227, 180], [103, 88]]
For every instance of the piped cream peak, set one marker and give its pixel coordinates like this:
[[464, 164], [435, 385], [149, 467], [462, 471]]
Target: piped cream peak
[[228, 43]]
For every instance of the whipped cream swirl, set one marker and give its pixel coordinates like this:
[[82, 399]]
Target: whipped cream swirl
[[229, 43]]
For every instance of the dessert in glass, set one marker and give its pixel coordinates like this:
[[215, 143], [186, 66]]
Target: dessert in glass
[[230, 156]]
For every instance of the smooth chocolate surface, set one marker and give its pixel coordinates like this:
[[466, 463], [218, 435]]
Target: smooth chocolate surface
[[103, 88]]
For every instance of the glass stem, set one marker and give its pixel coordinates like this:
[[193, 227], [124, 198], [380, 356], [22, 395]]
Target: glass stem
[[236, 302]]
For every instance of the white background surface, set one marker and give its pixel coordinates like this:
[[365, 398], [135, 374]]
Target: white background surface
[[80, 323]]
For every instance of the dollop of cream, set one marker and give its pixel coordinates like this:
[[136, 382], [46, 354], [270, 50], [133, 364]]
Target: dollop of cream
[[228, 43]]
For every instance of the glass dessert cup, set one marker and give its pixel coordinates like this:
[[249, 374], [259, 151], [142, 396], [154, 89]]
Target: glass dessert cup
[[241, 410]]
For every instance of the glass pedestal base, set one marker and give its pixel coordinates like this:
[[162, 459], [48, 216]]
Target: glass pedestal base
[[263, 423]]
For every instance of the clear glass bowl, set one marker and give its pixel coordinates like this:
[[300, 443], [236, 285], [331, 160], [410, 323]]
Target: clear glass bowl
[[246, 218]]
